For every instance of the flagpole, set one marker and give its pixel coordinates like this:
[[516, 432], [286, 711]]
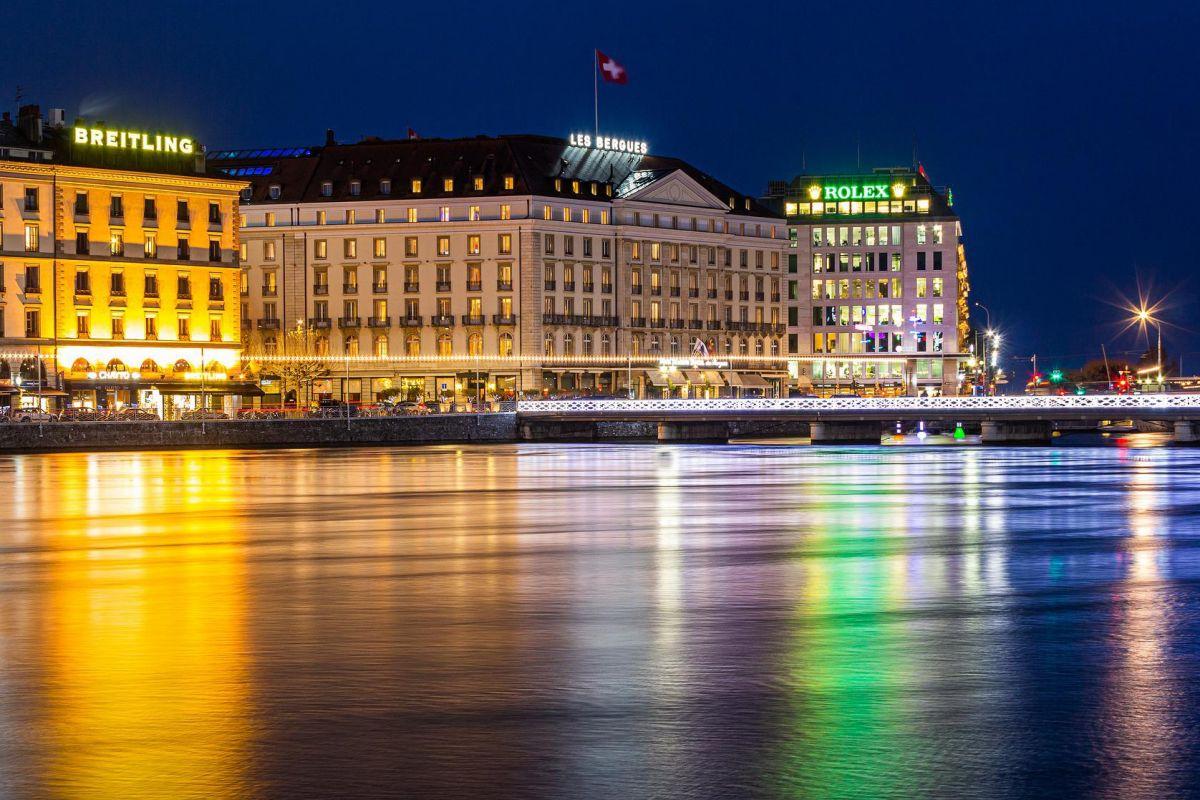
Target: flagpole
[[596, 88]]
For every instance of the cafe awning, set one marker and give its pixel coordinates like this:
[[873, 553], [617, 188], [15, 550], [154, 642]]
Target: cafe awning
[[713, 378], [656, 377], [694, 376], [752, 380]]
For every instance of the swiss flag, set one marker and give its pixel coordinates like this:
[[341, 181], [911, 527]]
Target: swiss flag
[[611, 70]]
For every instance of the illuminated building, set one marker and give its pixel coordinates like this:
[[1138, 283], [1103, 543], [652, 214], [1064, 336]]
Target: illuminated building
[[574, 257], [118, 270], [877, 282]]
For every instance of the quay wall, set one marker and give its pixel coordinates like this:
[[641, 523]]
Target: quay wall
[[149, 435]]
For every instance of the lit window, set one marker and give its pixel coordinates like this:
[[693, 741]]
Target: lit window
[[151, 246], [270, 219], [508, 182], [585, 215], [448, 184], [380, 216], [416, 186], [443, 245], [412, 215], [473, 213], [321, 217], [31, 238], [116, 243], [478, 183], [380, 248], [566, 214], [546, 212], [473, 244], [504, 244], [604, 217], [505, 211], [444, 214]]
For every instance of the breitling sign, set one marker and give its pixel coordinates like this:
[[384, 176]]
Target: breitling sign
[[139, 141]]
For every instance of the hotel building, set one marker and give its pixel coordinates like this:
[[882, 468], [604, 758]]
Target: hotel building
[[118, 269], [877, 283], [456, 268]]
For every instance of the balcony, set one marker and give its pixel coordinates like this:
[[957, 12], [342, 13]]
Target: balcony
[[320, 323], [379, 322], [269, 291], [606, 288], [412, 286], [589, 287], [656, 291], [320, 289], [554, 319], [637, 322], [674, 291], [472, 319], [550, 286], [712, 294], [760, 296], [268, 324], [693, 292], [412, 321], [695, 324], [728, 294], [713, 325], [635, 289], [503, 286], [379, 288], [658, 323], [504, 319], [443, 286], [599, 322], [775, 298], [349, 288], [676, 324], [474, 286], [568, 286], [743, 296], [442, 321]]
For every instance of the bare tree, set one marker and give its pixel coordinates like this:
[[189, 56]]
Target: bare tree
[[297, 363]]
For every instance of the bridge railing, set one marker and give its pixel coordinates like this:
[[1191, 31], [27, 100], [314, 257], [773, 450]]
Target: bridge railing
[[1119, 405]]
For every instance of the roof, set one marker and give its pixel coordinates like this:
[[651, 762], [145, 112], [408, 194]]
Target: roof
[[533, 162], [916, 184], [12, 138]]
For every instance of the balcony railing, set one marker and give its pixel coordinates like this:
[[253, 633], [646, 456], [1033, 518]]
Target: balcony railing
[[637, 322], [320, 322], [442, 321], [589, 287], [379, 322], [412, 286], [554, 319], [472, 319], [674, 291], [676, 324], [728, 294], [349, 288], [379, 288], [504, 319], [743, 296], [606, 288], [268, 324], [549, 286], [412, 320], [693, 291], [695, 324], [320, 289], [268, 291], [760, 296], [712, 294], [474, 286], [713, 325], [656, 290], [658, 323], [349, 322], [443, 286], [636, 289], [568, 286], [503, 286]]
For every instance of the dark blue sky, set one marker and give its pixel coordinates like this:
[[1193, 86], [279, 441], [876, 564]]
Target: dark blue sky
[[1068, 135]]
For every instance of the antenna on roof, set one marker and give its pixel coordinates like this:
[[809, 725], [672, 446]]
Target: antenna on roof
[[915, 162], [20, 94]]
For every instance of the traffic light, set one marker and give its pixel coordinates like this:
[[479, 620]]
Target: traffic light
[[1056, 376], [1080, 390]]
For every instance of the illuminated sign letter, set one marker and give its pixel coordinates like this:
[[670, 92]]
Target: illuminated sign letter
[[81, 135]]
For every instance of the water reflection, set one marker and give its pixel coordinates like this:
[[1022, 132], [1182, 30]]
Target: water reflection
[[610, 621]]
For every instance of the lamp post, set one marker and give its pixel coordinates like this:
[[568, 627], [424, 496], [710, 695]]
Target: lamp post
[[1144, 316], [983, 352]]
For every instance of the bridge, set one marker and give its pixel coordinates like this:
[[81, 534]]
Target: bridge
[[1002, 419]]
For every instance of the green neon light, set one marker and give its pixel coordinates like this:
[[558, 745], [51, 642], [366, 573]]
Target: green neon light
[[879, 191]]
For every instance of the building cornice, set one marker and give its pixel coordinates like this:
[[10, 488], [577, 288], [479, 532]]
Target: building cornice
[[130, 177]]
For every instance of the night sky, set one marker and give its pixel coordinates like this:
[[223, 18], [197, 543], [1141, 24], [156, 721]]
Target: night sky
[[1068, 134]]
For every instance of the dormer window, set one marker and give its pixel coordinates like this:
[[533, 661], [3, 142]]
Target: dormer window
[[416, 185], [385, 186], [447, 184], [326, 188], [355, 188], [558, 184], [732, 203], [479, 183], [575, 187], [508, 182], [747, 201], [274, 191], [594, 188]]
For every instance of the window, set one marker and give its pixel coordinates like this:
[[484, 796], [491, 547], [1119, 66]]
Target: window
[[214, 250], [183, 250], [32, 238], [116, 207], [508, 182], [473, 246], [568, 245], [410, 246], [443, 245], [214, 213], [506, 345], [937, 259], [416, 185], [475, 344], [150, 285], [350, 216], [321, 249], [381, 346], [81, 203], [477, 182], [411, 216], [447, 184], [150, 246], [82, 243], [385, 186], [116, 243], [33, 323], [355, 188], [412, 345], [321, 217], [326, 188], [274, 191], [215, 289], [921, 234], [445, 345], [82, 282], [379, 248], [549, 244], [473, 213], [546, 212], [182, 213], [183, 285], [350, 248], [82, 325], [605, 248], [505, 211], [504, 244], [269, 218]]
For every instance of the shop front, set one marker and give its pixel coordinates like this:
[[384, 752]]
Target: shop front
[[166, 392]]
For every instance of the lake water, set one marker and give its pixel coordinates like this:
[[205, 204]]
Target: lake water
[[601, 621]]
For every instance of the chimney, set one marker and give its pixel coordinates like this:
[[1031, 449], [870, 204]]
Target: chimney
[[329, 140], [29, 120]]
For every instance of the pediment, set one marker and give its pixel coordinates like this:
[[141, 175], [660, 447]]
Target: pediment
[[679, 189]]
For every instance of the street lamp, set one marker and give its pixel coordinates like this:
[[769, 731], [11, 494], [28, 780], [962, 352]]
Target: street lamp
[[983, 353], [1144, 316]]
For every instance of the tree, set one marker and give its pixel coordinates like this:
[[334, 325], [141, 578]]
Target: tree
[[298, 365], [1095, 371]]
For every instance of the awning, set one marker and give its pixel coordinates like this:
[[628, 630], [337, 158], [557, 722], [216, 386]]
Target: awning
[[713, 378], [694, 376], [656, 378], [244, 388], [734, 379], [752, 380], [44, 392]]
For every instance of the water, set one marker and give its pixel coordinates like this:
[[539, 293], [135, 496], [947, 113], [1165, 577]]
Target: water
[[601, 622]]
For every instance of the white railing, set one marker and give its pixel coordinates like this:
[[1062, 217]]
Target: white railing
[[1117, 404]]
